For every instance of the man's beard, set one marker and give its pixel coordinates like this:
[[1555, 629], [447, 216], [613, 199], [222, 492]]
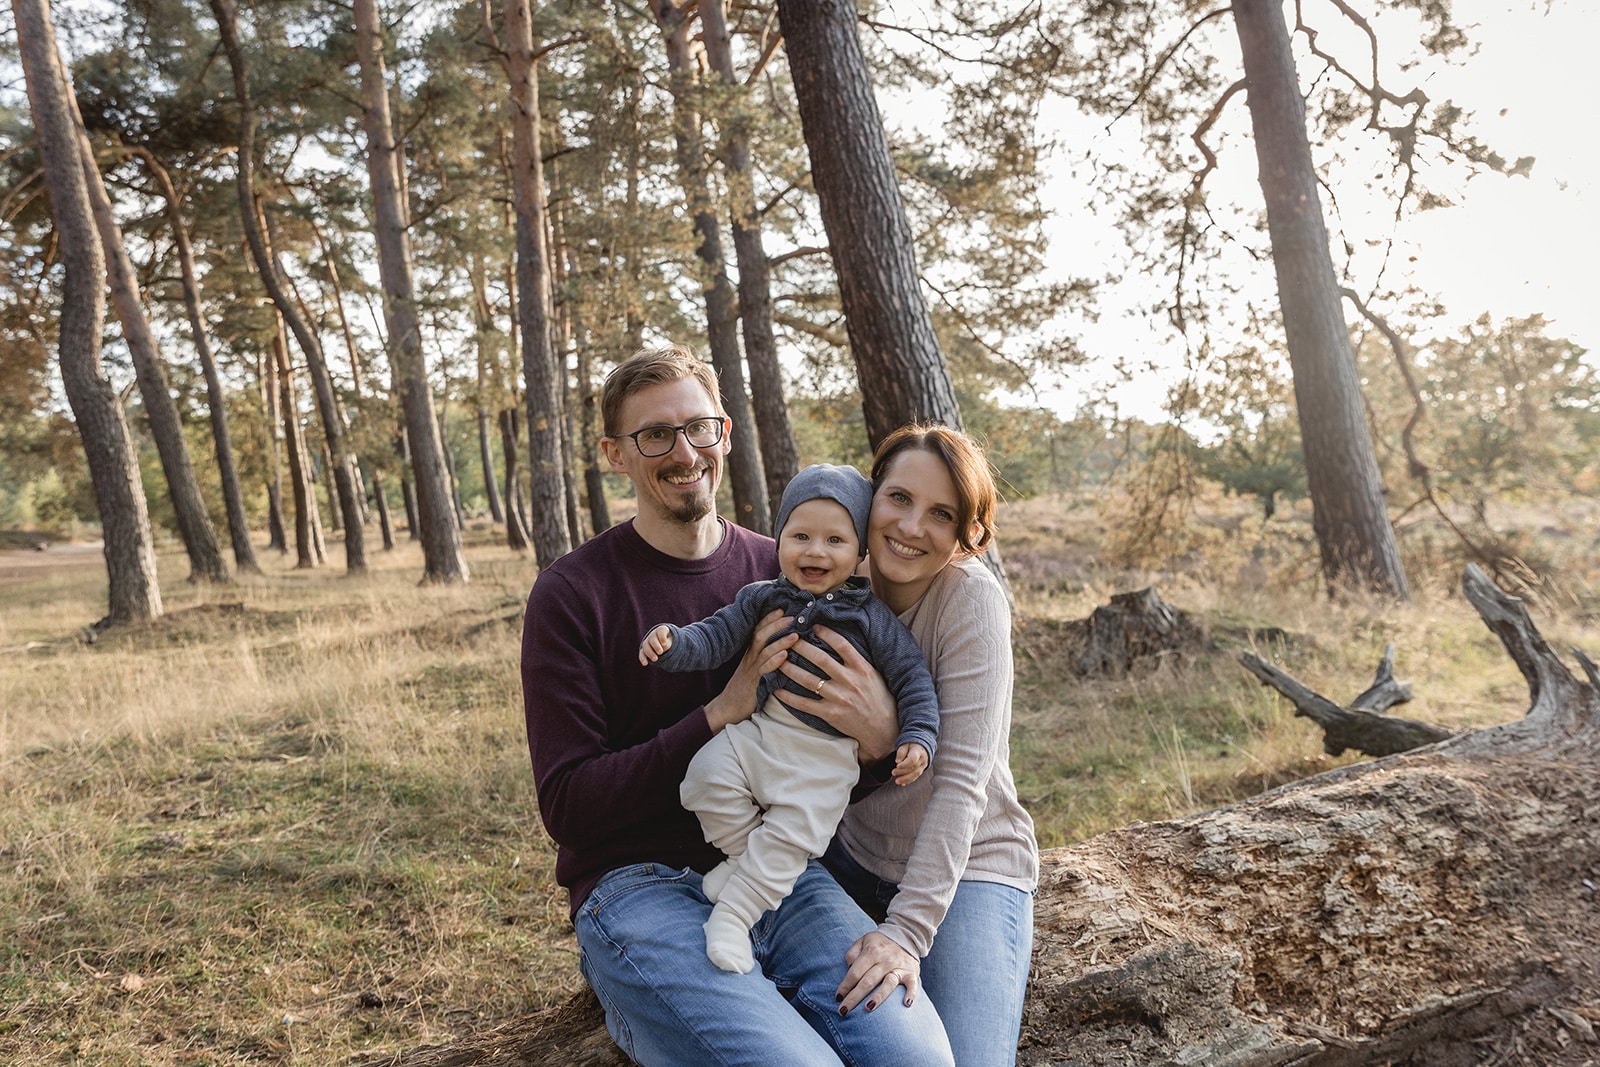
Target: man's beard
[[694, 508]]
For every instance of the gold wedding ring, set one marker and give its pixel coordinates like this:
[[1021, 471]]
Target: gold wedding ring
[[820, 685]]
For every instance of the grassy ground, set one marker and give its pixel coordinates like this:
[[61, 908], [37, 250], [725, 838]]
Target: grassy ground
[[292, 821]]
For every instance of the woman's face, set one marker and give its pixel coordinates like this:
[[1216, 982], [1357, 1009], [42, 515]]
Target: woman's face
[[912, 532]]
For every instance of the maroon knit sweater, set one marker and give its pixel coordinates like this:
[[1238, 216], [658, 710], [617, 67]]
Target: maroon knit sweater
[[610, 740]]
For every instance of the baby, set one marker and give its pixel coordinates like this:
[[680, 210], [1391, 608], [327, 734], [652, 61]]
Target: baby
[[770, 791]]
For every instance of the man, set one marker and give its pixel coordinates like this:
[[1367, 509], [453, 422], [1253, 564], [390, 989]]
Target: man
[[610, 741]]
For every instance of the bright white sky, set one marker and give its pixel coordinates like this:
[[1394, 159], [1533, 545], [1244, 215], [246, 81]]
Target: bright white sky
[[1512, 246]]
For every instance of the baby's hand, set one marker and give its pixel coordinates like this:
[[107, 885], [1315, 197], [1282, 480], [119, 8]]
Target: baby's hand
[[655, 645], [910, 760]]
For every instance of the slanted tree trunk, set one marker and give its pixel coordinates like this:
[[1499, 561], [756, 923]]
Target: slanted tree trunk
[[780, 457], [751, 508], [135, 593], [1362, 726], [272, 279], [244, 556], [898, 361], [443, 560], [166, 427], [1431, 909], [1354, 535], [542, 375]]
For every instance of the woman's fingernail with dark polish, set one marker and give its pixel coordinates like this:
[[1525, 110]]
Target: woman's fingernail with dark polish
[[871, 1004]]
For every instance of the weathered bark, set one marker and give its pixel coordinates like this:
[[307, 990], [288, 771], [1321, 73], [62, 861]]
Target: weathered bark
[[1354, 535], [1432, 908], [898, 360], [443, 560], [1362, 726], [272, 279], [244, 556], [780, 457], [750, 505], [135, 593], [542, 376], [166, 426]]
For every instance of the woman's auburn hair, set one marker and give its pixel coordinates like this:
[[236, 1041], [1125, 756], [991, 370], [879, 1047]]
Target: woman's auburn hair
[[969, 470]]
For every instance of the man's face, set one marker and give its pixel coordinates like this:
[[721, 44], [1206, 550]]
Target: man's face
[[680, 486]]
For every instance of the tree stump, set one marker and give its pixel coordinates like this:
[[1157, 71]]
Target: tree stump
[[1434, 908], [1135, 628]]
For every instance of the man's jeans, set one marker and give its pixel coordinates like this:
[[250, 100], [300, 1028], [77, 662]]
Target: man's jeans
[[643, 953], [977, 969]]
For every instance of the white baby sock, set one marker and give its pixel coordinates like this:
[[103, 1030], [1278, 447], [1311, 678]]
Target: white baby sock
[[728, 941]]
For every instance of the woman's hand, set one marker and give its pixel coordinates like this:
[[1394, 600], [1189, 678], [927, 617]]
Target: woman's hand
[[877, 965], [737, 701], [854, 699]]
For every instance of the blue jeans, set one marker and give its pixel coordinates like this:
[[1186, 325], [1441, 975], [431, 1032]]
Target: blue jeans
[[977, 970], [643, 953]]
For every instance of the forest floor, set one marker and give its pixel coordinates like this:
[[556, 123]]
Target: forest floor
[[292, 820]]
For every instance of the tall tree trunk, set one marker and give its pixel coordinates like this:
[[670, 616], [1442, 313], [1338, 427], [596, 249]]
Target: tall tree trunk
[[898, 361], [188, 506], [408, 490], [135, 593], [516, 520], [267, 377], [294, 442], [484, 316], [244, 556], [385, 521], [561, 310], [450, 469], [272, 279], [588, 422], [751, 508], [443, 560], [780, 457], [542, 375], [1354, 535]]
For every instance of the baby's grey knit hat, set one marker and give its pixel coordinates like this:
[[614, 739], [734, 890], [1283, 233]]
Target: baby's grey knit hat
[[844, 485]]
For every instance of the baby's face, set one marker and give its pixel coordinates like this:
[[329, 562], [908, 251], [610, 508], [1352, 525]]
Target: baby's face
[[817, 547]]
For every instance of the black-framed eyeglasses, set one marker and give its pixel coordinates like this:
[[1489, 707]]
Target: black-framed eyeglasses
[[655, 441]]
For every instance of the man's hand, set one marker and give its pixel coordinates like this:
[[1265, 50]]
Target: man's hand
[[854, 699], [910, 760], [737, 701], [655, 645]]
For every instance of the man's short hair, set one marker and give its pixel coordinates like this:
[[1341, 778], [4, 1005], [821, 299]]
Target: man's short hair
[[653, 366]]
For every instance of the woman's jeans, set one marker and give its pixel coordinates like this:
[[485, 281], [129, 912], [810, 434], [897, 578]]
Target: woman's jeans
[[977, 970], [643, 953]]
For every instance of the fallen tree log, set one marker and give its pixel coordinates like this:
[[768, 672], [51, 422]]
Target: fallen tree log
[[1435, 909], [1362, 726]]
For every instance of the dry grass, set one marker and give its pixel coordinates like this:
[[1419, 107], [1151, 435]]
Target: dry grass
[[292, 821]]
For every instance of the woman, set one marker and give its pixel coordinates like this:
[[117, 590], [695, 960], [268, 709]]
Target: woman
[[954, 853]]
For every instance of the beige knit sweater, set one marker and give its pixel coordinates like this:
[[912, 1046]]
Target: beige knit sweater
[[961, 820]]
